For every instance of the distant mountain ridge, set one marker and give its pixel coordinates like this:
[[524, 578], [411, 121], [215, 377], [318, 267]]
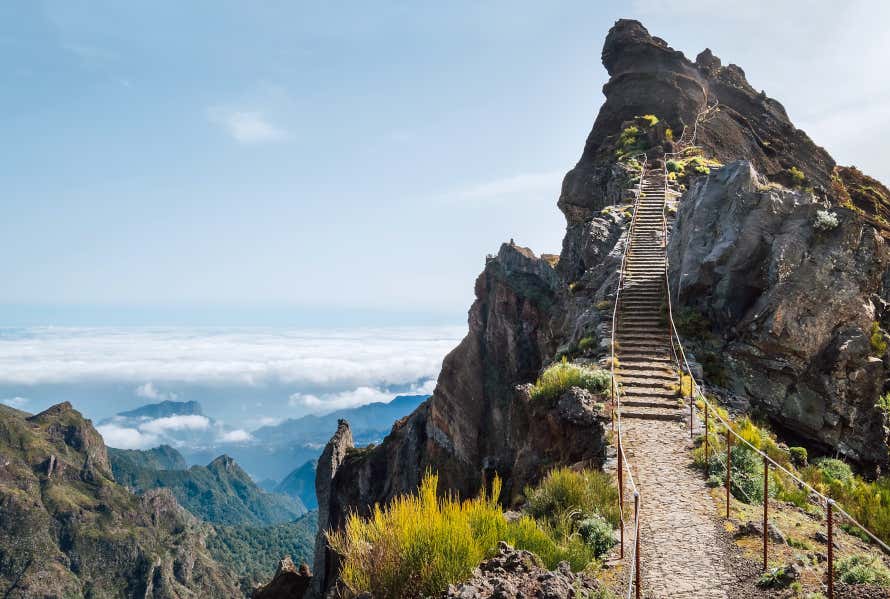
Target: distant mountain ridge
[[67, 529], [220, 493], [300, 483], [165, 409]]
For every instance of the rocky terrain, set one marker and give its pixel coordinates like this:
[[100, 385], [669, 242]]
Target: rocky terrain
[[68, 530], [783, 307], [515, 574]]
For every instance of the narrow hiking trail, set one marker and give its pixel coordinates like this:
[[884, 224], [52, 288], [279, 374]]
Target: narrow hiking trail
[[684, 550]]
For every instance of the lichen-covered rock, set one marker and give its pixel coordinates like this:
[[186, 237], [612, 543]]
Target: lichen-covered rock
[[517, 574], [791, 306]]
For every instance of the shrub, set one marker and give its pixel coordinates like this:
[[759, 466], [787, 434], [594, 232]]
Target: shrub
[[691, 323], [774, 578], [560, 377], [419, 544], [863, 569], [747, 473], [669, 134], [798, 456], [597, 534], [674, 166], [878, 343], [883, 403], [825, 220], [568, 493], [586, 343], [834, 470], [651, 119], [798, 178]]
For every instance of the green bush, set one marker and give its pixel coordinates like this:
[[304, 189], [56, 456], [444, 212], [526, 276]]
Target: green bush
[[586, 343], [798, 456], [597, 534], [560, 377], [747, 473], [798, 178], [863, 569], [569, 492], [878, 343], [834, 470]]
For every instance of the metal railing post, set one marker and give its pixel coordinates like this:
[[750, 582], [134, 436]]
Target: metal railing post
[[621, 495], [728, 467], [707, 433], [765, 508], [830, 523], [637, 547], [691, 405]]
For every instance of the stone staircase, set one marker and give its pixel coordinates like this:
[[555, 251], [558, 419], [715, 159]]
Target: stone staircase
[[648, 379]]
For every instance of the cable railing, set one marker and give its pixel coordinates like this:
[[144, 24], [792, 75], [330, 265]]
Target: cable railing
[[697, 391], [633, 582]]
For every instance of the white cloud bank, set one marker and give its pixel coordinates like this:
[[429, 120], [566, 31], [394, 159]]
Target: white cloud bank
[[15, 402], [326, 360], [149, 391], [246, 127]]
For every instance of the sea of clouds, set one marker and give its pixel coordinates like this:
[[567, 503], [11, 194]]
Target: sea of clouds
[[243, 377]]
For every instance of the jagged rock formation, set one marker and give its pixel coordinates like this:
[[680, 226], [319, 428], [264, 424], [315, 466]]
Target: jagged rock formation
[[288, 583], [791, 306], [220, 492], [514, 573], [68, 530]]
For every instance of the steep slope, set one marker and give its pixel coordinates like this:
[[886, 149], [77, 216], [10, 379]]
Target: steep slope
[[221, 492], [300, 484], [68, 530]]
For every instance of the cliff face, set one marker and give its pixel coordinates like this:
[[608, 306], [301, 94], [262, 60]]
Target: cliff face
[[68, 530], [786, 309]]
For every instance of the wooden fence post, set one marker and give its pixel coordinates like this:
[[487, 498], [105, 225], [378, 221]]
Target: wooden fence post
[[621, 494], [707, 433]]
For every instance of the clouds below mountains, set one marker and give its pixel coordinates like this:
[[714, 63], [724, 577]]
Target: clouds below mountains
[[158, 358]]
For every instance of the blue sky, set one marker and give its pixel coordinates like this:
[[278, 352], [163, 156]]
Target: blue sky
[[337, 163]]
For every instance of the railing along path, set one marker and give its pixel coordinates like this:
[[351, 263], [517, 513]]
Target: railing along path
[[633, 582], [697, 393]]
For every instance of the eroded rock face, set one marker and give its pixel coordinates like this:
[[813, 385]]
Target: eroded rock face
[[791, 306], [289, 582], [649, 77]]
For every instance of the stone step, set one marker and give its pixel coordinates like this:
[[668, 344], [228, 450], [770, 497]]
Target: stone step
[[663, 379], [652, 414], [643, 370], [636, 403], [649, 391]]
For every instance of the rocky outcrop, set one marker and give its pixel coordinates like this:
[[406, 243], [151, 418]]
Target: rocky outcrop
[[68, 530], [514, 574], [649, 77], [790, 306], [330, 509], [289, 582]]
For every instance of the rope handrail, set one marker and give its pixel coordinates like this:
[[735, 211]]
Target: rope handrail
[[698, 390]]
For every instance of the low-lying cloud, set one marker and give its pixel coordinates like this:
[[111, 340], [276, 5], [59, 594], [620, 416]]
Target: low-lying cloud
[[327, 360]]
